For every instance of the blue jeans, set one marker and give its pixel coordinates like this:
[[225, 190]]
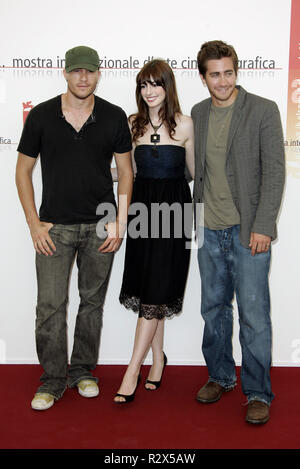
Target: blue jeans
[[53, 275], [227, 267]]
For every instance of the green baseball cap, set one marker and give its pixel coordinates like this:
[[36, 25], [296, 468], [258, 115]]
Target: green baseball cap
[[82, 57]]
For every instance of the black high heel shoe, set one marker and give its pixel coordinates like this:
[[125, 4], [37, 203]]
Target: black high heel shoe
[[157, 383], [128, 397]]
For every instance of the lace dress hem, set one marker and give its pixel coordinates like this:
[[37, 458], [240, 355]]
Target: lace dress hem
[[151, 311]]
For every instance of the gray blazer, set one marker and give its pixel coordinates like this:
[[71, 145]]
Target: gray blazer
[[255, 162]]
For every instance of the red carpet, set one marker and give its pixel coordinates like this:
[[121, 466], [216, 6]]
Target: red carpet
[[169, 418]]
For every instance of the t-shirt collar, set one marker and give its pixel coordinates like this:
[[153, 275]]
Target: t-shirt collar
[[92, 117]]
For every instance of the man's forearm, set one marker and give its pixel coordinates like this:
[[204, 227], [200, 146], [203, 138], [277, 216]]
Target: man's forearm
[[42, 242], [117, 229], [26, 196], [124, 195]]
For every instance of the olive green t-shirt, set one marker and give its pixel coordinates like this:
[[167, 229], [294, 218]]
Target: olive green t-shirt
[[219, 209]]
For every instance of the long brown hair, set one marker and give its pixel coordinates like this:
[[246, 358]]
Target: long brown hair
[[158, 71]]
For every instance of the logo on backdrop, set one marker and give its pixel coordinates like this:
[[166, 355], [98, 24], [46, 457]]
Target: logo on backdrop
[[6, 142], [292, 142], [26, 109]]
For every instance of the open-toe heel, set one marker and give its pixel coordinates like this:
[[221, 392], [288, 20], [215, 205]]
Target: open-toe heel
[[157, 383], [128, 397]]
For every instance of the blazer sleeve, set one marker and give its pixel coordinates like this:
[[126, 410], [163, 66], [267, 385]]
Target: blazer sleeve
[[272, 159]]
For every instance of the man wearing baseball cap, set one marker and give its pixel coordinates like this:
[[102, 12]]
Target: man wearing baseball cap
[[82, 57], [76, 135]]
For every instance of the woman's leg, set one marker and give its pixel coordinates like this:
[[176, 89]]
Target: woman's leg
[[145, 331], [157, 355]]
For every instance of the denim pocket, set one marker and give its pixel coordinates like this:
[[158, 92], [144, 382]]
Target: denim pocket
[[54, 233]]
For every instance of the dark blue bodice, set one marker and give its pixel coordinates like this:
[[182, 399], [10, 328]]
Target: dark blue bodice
[[169, 161]]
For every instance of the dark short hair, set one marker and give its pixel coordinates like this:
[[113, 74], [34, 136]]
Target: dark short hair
[[215, 50]]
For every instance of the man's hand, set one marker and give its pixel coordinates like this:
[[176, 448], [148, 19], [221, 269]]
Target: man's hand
[[259, 243], [42, 242], [115, 235]]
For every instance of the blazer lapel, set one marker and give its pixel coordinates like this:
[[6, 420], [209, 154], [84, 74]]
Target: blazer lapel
[[236, 117], [203, 129], [235, 120]]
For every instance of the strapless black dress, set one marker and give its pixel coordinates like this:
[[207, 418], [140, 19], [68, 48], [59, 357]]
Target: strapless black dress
[[156, 265]]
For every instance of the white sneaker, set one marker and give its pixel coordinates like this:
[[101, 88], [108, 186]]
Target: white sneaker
[[88, 388], [42, 401]]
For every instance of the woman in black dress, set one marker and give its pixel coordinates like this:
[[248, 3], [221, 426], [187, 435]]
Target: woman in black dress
[[157, 249]]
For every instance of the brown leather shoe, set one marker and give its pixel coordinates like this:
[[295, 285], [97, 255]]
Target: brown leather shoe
[[210, 392], [258, 412]]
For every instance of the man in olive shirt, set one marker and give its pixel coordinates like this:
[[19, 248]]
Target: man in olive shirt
[[76, 135], [239, 176], [220, 211]]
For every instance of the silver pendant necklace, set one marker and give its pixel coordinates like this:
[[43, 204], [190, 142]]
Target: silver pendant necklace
[[155, 138]]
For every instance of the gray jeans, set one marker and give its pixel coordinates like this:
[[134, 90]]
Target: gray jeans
[[53, 275]]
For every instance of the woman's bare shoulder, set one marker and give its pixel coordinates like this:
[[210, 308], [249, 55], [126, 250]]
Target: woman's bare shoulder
[[187, 120], [184, 122]]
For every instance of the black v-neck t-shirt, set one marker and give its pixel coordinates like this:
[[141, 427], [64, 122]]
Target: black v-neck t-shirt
[[75, 165]]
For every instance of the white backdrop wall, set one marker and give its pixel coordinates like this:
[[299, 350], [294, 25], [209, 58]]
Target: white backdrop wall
[[34, 37]]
